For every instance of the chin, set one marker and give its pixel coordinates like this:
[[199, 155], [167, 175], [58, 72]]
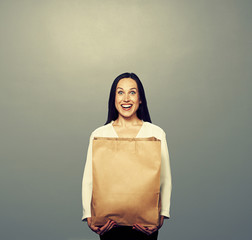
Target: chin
[[127, 115]]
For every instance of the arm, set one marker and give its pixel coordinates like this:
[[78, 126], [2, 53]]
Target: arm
[[87, 183], [165, 178]]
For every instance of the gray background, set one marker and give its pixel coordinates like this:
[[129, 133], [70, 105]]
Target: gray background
[[58, 59]]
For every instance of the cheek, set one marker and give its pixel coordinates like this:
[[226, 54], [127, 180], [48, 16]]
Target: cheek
[[137, 99], [117, 100]]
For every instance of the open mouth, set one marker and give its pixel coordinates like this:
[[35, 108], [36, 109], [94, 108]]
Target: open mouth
[[126, 107]]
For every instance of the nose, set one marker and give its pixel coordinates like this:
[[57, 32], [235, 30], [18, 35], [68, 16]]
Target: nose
[[126, 97]]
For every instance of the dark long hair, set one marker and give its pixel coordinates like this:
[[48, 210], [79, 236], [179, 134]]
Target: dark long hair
[[142, 112]]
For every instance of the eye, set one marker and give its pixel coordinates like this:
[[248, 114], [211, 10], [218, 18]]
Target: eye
[[132, 92], [120, 92]]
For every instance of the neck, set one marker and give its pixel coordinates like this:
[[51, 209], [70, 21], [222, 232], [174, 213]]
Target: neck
[[127, 122]]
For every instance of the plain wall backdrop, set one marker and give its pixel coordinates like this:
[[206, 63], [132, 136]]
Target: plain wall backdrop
[[58, 59]]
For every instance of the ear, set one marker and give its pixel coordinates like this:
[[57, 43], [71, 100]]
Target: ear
[[140, 102]]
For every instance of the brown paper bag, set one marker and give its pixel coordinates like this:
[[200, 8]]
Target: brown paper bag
[[126, 181]]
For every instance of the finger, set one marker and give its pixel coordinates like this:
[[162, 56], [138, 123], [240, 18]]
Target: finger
[[104, 228], [107, 227], [95, 229], [152, 229], [89, 222], [161, 220], [148, 230], [137, 228], [92, 227], [142, 229]]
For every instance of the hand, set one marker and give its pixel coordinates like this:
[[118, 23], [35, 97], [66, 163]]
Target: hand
[[101, 230], [161, 221], [149, 230], [110, 224], [146, 230]]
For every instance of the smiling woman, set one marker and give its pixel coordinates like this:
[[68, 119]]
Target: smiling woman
[[127, 81], [127, 102], [127, 97], [128, 117]]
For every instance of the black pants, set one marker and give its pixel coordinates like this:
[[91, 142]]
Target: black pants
[[127, 233]]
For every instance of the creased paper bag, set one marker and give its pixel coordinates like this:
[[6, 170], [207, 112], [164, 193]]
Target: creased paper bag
[[126, 181]]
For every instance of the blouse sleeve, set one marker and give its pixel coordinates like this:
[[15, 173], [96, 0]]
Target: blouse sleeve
[[165, 178], [87, 183]]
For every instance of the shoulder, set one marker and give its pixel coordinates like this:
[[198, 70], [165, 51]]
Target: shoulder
[[154, 130], [102, 131], [154, 127]]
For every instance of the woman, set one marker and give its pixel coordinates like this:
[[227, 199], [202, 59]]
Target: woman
[[128, 117]]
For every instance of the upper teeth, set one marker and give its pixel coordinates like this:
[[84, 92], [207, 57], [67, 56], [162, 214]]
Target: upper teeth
[[126, 106]]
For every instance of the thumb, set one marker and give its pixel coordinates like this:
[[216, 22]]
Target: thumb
[[95, 228], [151, 228]]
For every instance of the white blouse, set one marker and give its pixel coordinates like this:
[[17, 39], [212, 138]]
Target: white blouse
[[147, 130]]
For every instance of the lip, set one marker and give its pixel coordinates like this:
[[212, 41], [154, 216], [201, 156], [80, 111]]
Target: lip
[[126, 107]]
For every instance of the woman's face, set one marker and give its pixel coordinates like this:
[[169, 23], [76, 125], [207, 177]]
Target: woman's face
[[127, 97]]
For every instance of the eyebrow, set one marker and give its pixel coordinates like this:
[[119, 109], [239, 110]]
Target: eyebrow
[[130, 88]]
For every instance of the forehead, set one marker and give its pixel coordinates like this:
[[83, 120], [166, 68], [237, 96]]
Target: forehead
[[127, 83]]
